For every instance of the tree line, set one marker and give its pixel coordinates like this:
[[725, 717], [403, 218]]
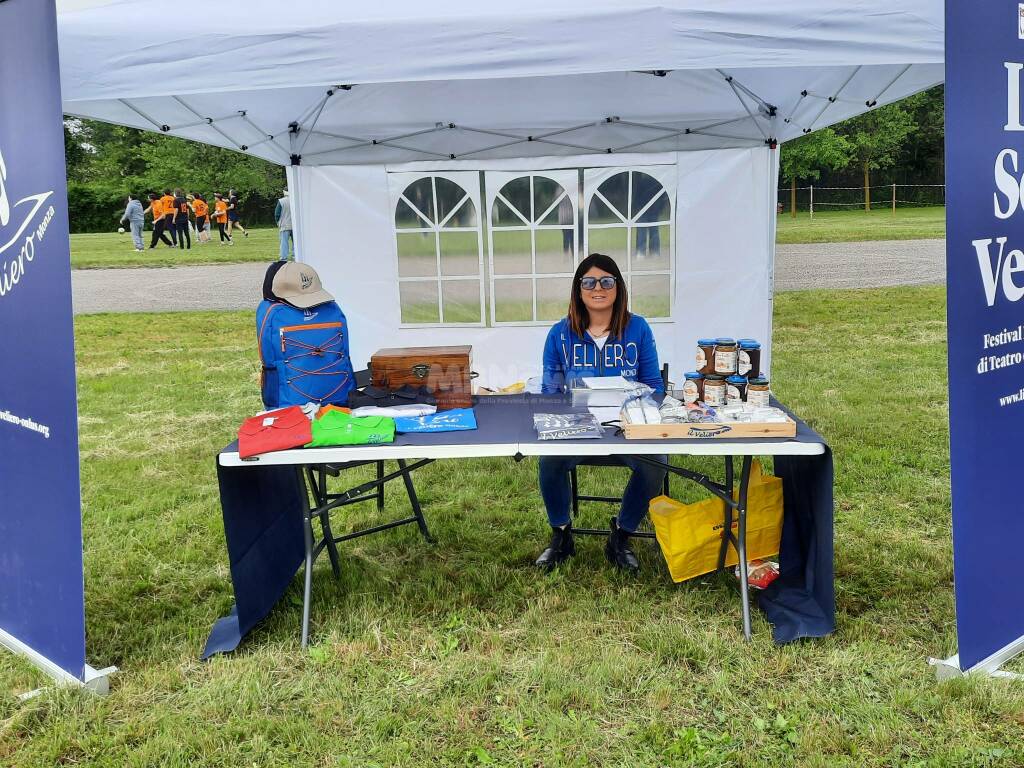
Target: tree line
[[899, 143], [107, 162]]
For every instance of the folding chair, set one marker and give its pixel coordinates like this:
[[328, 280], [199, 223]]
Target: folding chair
[[607, 461]]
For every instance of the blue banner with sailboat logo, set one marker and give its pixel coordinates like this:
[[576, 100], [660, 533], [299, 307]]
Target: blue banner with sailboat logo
[[42, 611], [985, 285]]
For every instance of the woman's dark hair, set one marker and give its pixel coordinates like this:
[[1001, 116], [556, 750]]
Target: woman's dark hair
[[579, 318], [154, 196]]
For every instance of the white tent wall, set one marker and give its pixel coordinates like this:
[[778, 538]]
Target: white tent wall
[[724, 210]]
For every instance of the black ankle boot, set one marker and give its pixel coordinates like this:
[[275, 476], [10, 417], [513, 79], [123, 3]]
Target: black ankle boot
[[617, 550], [561, 548]]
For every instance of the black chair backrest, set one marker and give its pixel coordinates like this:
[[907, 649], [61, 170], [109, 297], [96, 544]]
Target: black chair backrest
[[364, 377]]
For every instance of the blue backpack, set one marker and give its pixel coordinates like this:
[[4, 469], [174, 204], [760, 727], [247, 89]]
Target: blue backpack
[[304, 354]]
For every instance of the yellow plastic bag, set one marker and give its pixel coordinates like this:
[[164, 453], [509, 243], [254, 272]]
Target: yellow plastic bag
[[690, 535]]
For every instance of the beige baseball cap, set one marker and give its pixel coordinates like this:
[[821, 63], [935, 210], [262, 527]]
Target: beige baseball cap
[[299, 285]]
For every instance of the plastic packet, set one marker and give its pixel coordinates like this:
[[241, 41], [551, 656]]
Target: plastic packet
[[672, 411], [566, 426], [641, 410], [760, 573]]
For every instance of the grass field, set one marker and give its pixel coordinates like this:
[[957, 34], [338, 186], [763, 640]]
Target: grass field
[[851, 225], [460, 653], [113, 250], [92, 251]]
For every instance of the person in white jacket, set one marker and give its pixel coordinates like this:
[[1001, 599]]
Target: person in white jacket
[[134, 216], [283, 217]]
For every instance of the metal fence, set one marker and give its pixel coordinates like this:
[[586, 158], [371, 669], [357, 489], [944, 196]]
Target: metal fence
[[813, 198]]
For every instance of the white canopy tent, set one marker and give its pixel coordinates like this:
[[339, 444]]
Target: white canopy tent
[[361, 101]]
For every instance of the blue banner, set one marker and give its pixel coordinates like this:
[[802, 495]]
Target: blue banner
[[42, 607], [985, 286]]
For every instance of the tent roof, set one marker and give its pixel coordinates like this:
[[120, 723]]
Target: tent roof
[[343, 82]]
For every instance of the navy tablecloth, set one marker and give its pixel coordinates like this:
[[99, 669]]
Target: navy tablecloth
[[262, 509]]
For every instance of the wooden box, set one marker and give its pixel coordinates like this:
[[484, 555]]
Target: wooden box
[[444, 371]]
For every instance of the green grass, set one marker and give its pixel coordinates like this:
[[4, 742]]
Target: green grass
[[92, 251], [853, 224], [460, 653], [113, 250]]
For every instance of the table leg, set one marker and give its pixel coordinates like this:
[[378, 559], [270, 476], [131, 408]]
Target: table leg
[[320, 497], [380, 488], [307, 532], [741, 545], [414, 500], [723, 551]]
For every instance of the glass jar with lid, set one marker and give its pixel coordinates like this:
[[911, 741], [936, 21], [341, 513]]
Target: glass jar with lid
[[714, 390], [735, 389], [705, 356], [693, 387], [759, 391], [725, 356], [748, 358]]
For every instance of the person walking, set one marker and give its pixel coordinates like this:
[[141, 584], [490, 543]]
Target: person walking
[[283, 217], [234, 214], [167, 201], [220, 215], [156, 209], [181, 211], [201, 211], [135, 218]]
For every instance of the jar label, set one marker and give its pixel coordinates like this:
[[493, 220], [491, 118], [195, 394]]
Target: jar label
[[702, 359], [744, 363], [690, 392], [725, 362], [732, 395], [758, 397], [714, 395]]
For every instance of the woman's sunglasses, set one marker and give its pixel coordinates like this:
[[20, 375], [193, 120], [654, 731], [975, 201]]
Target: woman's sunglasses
[[590, 283]]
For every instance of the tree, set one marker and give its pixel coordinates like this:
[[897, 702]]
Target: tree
[[106, 162], [804, 158], [877, 138]]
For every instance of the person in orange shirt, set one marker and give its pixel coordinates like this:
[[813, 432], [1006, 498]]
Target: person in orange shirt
[[156, 208], [220, 215], [201, 211], [167, 201]]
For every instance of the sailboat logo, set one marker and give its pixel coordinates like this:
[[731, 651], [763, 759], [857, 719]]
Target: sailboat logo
[[18, 216]]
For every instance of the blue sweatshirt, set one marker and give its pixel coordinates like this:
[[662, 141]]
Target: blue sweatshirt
[[634, 356]]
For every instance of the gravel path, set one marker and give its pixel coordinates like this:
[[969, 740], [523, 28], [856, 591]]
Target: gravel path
[[238, 286], [860, 265]]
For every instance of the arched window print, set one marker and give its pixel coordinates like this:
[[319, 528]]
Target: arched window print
[[629, 217], [533, 245], [440, 258]]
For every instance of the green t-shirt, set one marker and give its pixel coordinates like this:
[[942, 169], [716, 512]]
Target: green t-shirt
[[340, 428]]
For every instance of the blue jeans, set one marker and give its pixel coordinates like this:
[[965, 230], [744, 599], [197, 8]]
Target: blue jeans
[[137, 235], [286, 236], [644, 484]]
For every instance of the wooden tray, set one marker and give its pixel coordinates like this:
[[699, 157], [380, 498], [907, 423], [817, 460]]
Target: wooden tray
[[744, 430]]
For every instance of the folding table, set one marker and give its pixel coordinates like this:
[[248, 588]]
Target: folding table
[[268, 517]]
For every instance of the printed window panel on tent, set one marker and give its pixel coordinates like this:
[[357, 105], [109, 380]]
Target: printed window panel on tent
[[533, 244], [439, 248], [629, 216]]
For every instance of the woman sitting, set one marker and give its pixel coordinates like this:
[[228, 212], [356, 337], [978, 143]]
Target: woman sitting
[[600, 337]]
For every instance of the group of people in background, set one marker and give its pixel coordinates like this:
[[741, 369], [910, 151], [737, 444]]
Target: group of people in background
[[175, 214]]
